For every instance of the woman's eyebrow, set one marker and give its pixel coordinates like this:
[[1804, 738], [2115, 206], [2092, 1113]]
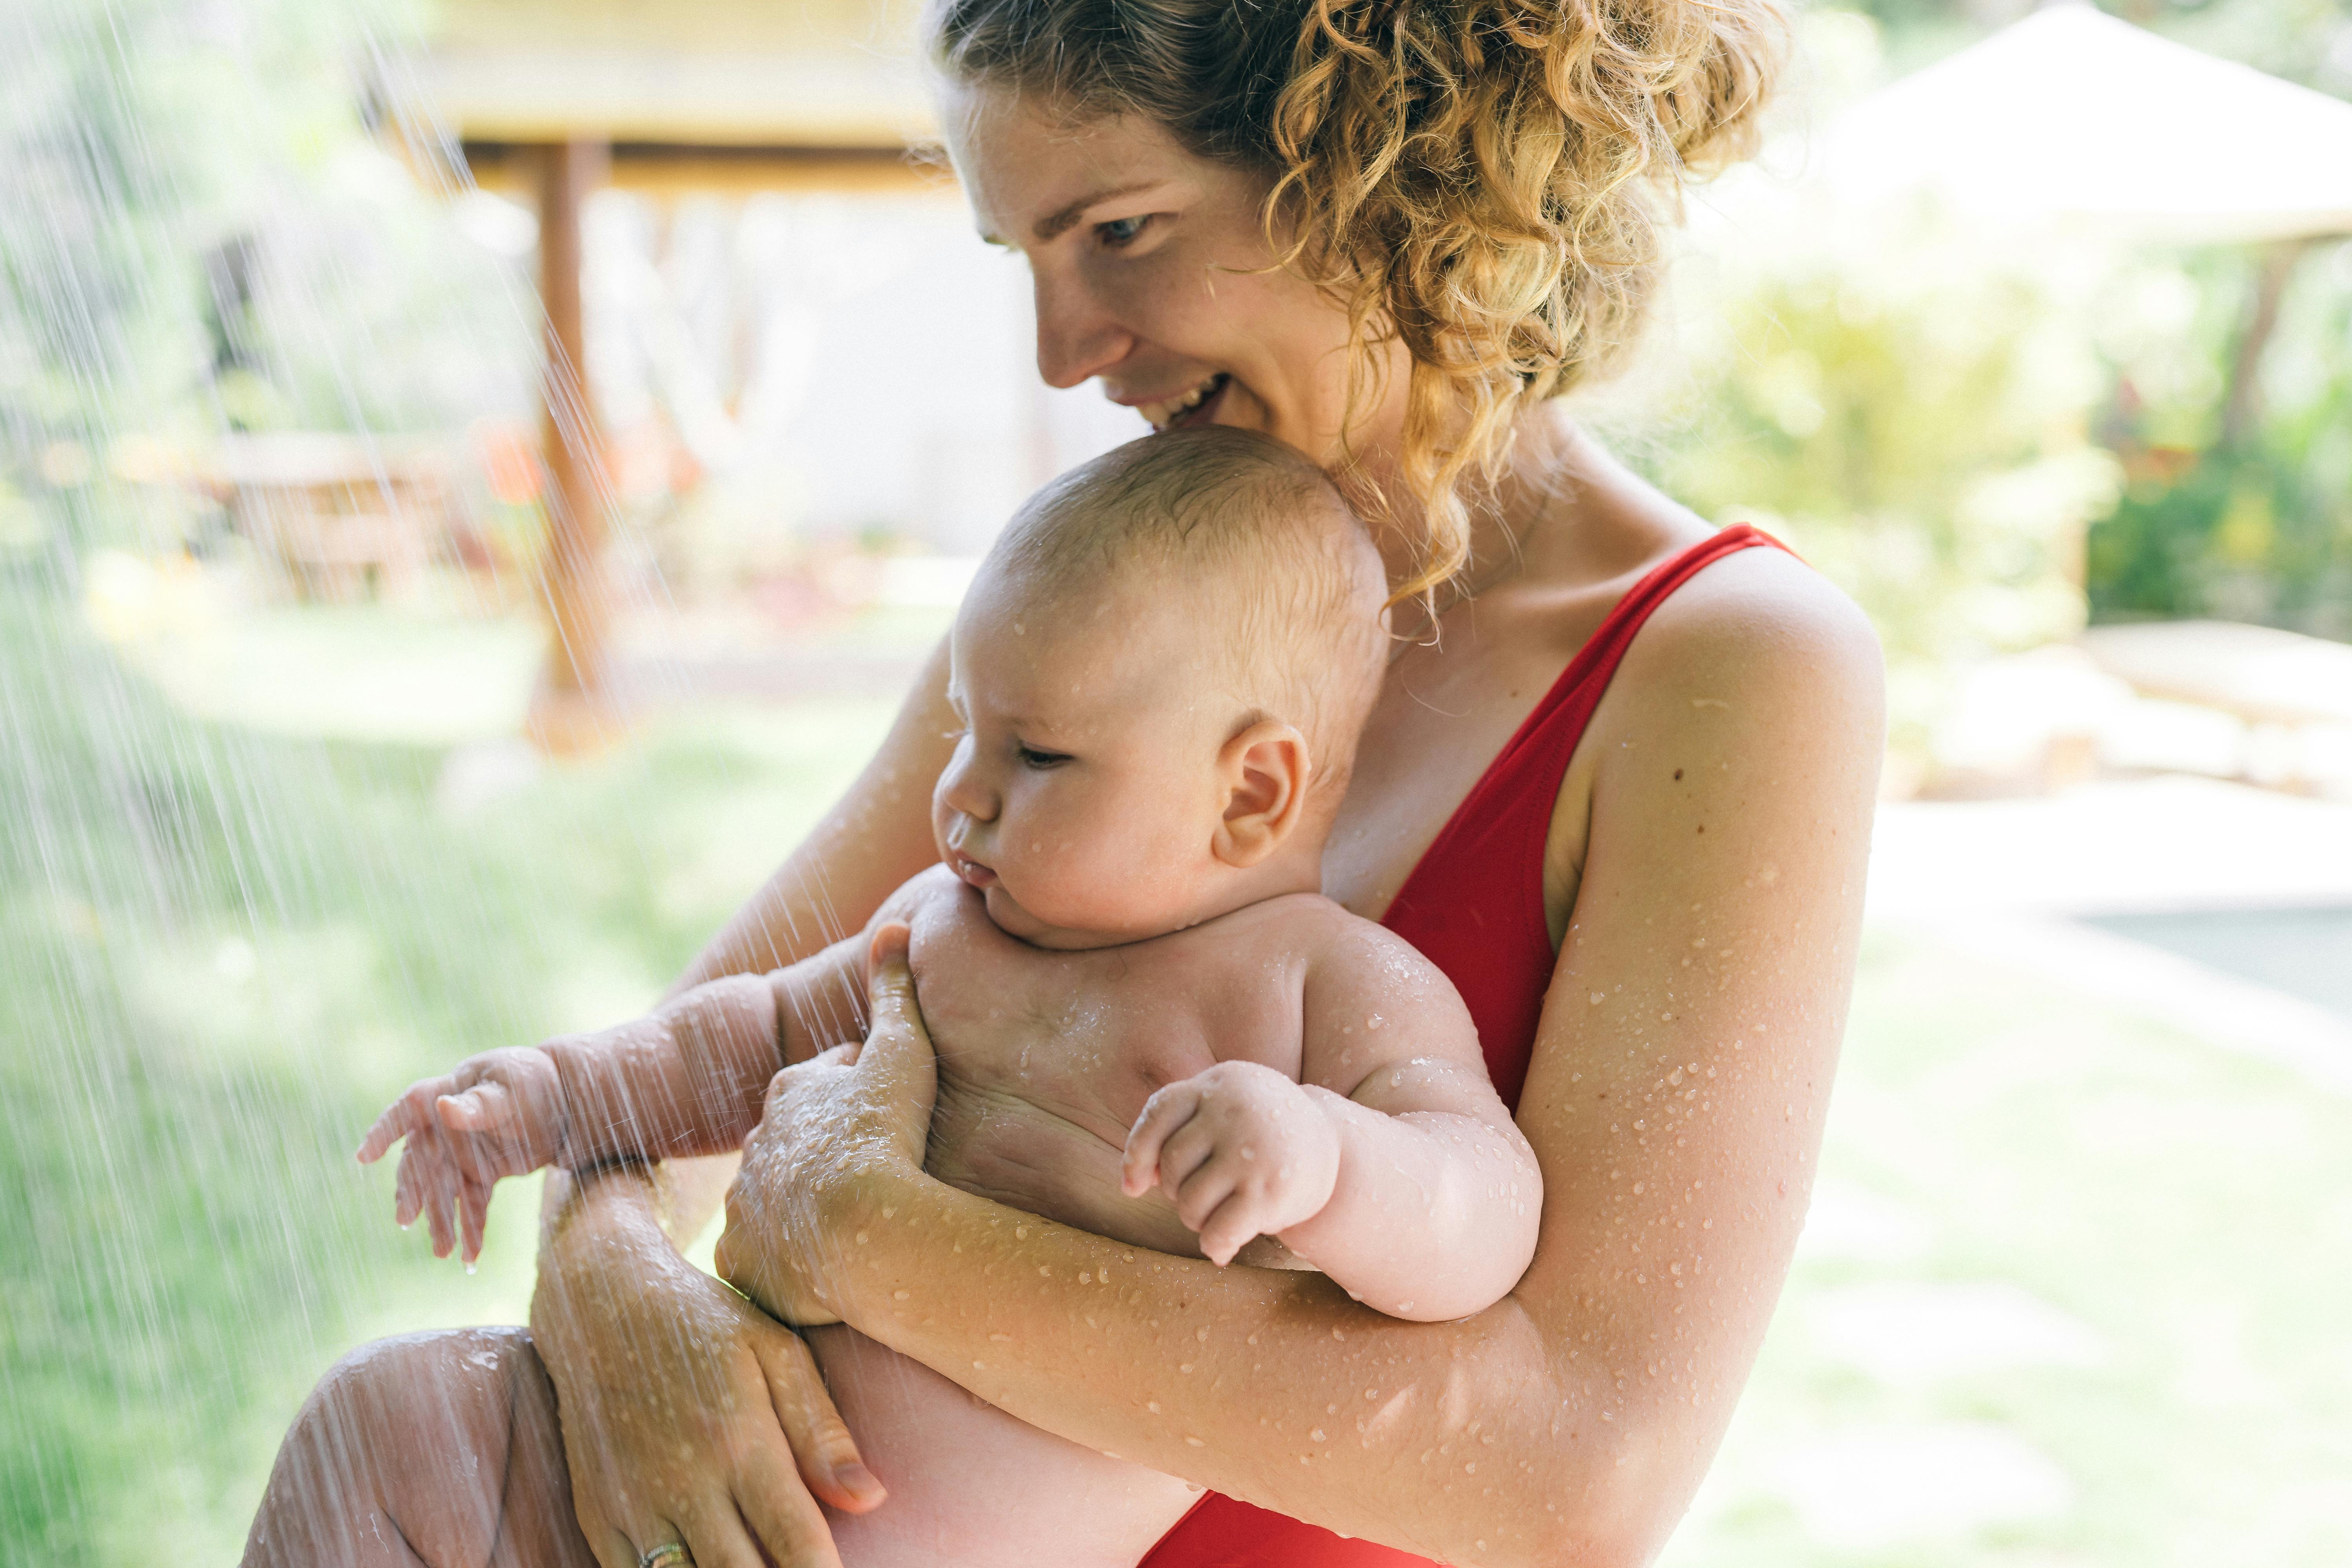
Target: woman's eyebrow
[[1060, 221]]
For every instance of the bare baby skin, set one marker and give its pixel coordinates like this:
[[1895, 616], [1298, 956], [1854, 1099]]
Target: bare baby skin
[[1148, 1023]]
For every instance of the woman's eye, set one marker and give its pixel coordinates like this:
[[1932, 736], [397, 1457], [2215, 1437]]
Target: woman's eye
[[1031, 757], [1121, 231]]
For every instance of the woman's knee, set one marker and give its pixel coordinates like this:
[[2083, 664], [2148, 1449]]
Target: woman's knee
[[419, 1395], [408, 1441]]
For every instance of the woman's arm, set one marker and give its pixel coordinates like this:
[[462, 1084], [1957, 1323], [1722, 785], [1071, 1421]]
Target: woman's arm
[[624, 1323], [1675, 1105]]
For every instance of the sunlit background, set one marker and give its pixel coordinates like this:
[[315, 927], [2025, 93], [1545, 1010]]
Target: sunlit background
[[2034, 332]]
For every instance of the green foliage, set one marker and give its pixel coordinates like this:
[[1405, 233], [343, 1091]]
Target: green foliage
[[2260, 530], [198, 233], [1910, 416]]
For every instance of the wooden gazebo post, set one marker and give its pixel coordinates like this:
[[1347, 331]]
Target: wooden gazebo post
[[558, 97], [572, 711]]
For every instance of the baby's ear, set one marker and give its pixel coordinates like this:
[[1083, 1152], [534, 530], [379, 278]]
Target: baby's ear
[[1264, 772]]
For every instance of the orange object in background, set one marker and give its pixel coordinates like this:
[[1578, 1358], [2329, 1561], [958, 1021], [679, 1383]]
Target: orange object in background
[[509, 457]]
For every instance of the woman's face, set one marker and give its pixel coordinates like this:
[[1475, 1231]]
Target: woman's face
[[1150, 267]]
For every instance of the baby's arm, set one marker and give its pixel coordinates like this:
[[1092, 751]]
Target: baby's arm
[[1392, 1167], [685, 1080]]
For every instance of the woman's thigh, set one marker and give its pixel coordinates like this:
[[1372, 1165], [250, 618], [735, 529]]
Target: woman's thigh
[[440, 1448]]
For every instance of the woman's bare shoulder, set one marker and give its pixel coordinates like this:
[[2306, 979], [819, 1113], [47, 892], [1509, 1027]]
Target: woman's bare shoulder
[[1759, 626]]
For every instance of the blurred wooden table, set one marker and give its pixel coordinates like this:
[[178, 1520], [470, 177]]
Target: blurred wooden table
[[342, 516]]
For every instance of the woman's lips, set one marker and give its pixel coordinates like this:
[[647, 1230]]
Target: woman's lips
[[1203, 411], [1187, 408]]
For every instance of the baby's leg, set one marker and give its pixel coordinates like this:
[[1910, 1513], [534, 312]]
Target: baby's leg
[[971, 1486]]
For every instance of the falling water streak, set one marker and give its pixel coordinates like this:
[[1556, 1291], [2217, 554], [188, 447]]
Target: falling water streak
[[180, 901]]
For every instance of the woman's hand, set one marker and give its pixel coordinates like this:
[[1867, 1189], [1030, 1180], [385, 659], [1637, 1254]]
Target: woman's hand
[[687, 1415], [836, 1129]]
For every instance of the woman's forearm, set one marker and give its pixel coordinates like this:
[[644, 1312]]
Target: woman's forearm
[[1459, 1440]]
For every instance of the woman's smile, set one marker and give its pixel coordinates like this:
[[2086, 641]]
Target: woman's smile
[[1196, 406]]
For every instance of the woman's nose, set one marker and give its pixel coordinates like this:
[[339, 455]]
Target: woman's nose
[[1076, 338]]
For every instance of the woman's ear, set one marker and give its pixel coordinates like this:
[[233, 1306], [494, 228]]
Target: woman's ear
[[1264, 774]]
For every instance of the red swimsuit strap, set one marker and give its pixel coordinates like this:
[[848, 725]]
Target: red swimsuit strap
[[1474, 905]]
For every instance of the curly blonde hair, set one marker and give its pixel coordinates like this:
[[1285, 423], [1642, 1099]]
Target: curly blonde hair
[[1482, 181]]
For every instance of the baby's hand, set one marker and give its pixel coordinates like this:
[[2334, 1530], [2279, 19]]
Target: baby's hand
[[1243, 1151], [497, 1114]]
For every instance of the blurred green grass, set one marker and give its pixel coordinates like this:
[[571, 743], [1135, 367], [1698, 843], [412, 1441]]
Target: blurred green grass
[[2090, 1266], [221, 950]]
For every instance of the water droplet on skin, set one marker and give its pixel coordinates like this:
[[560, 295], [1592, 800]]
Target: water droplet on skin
[[900, 1295], [1597, 998], [1316, 1434], [1153, 1405], [1674, 1077]]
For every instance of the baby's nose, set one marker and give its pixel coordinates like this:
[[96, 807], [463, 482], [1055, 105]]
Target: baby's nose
[[966, 796]]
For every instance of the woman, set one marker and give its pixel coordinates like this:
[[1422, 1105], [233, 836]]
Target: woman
[[1619, 785]]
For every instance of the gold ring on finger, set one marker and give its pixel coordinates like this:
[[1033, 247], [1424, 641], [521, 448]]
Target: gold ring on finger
[[668, 1555]]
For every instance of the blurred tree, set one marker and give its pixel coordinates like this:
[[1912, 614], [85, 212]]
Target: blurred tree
[[197, 234], [1912, 415]]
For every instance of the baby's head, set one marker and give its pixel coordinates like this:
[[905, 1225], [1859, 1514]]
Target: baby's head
[[1160, 669]]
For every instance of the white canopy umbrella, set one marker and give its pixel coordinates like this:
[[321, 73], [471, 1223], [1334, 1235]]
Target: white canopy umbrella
[[2072, 115]]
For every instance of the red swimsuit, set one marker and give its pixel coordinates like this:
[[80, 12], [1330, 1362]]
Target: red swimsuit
[[1475, 907]]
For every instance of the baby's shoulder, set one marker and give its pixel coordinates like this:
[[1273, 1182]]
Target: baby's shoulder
[[1343, 950]]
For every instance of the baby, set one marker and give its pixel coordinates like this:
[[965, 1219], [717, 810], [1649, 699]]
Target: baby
[[1149, 1022]]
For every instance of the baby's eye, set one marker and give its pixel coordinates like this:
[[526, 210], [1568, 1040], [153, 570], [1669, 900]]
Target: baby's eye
[[1038, 762], [1121, 231]]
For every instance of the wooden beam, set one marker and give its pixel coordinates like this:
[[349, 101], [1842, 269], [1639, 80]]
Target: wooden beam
[[672, 169], [572, 711]]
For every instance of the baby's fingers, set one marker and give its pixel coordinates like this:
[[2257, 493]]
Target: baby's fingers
[[473, 1215], [1163, 1114], [485, 1108], [437, 1199], [1231, 1227], [400, 1118]]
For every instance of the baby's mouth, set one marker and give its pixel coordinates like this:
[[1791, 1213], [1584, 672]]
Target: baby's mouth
[[974, 873], [1190, 408]]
